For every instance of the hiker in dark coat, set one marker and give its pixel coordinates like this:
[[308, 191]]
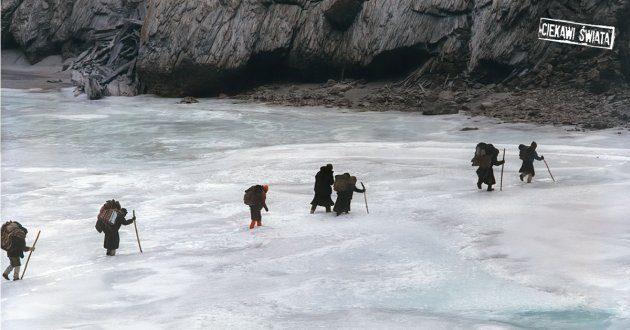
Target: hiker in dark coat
[[528, 155], [486, 157], [323, 188], [255, 209], [16, 250], [112, 238], [345, 191]]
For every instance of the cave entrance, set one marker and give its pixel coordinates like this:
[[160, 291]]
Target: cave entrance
[[265, 67], [394, 63], [492, 72]]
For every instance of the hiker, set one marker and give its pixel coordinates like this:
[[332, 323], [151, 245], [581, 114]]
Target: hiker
[[110, 218], [14, 242], [256, 197], [486, 157], [323, 188], [345, 186], [528, 154]]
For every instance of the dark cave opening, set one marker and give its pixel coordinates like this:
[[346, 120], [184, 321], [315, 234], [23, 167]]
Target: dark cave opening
[[491, 71], [274, 67], [394, 63], [265, 67], [8, 42]]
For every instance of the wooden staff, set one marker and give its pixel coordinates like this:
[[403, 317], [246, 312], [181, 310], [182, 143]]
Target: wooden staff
[[554, 180], [502, 166], [136, 227], [29, 255], [365, 198]]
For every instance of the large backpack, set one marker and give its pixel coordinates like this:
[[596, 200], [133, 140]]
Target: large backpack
[[480, 151], [522, 154], [107, 215], [342, 182], [253, 195], [9, 231], [491, 150]]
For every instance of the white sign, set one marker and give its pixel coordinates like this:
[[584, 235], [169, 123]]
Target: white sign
[[567, 32]]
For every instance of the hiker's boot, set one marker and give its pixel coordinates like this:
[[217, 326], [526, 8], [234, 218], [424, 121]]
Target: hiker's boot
[[6, 272], [251, 225], [529, 178], [113, 252], [521, 176], [16, 273], [328, 209], [490, 187], [479, 184], [259, 223], [313, 209]]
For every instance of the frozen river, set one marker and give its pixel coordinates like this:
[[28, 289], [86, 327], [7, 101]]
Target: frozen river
[[433, 253]]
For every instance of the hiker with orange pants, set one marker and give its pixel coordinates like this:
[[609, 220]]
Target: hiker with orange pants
[[256, 197]]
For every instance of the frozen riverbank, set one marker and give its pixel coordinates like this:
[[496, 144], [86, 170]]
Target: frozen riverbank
[[433, 253], [46, 75]]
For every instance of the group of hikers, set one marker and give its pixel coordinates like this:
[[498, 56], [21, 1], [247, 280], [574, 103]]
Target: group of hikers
[[345, 186], [486, 156], [112, 216]]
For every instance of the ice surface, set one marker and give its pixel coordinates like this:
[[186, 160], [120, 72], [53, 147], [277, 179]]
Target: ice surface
[[433, 253]]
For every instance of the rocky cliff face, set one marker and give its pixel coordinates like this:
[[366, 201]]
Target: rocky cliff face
[[211, 46], [85, 30], [220, 45]]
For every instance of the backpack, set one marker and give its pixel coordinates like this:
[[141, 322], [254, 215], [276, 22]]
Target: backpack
[[342, 182], [9, 231], [480, 151], [253, 195], [522, 154], [107, 215], [491, 150]]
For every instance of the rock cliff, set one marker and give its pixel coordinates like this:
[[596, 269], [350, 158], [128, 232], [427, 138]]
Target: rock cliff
[[211, 46]]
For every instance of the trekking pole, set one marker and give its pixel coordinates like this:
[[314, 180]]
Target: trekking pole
[[136, 227], [548, 170], [29, 255], [365, 198], [502, 166]]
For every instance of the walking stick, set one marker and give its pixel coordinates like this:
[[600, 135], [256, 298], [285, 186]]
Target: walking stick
[[29, 255], [548, 170], [502, 166], [136, 227], [365, 198]]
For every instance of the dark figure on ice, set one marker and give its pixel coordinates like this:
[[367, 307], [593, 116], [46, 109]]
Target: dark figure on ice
[[345, 186], [109, 220], [528, 155], [256, 198], [14, 242], [323, 188], [112, 238], [486, 157]]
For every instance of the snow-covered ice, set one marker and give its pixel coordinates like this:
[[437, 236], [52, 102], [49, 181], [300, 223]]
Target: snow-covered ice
[[433, 253]]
